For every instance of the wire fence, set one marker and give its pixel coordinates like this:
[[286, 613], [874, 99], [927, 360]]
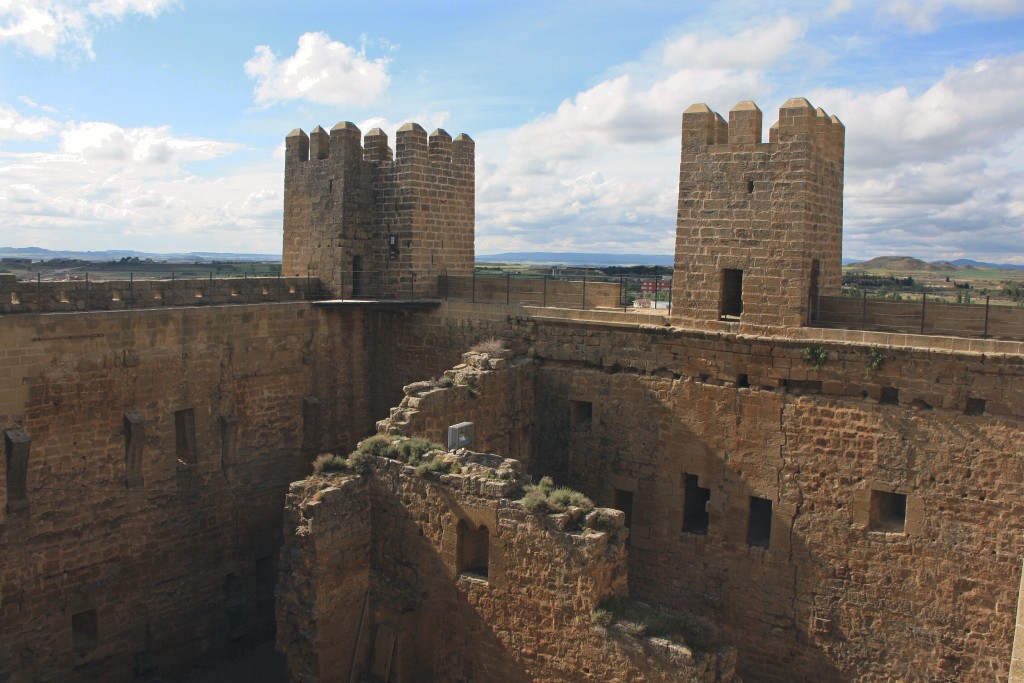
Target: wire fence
[[984, 318]]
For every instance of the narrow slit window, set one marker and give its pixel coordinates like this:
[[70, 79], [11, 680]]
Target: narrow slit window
[[732, 293], [185, 436], [750, 187], [759, 523], [85, 633], [888, 512], [624, 502], [695, 505]]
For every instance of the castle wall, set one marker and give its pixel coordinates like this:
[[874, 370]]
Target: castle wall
[[829, 598], [631, 409], [26, 296], [147, 458]]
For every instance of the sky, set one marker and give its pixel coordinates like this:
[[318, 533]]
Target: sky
[[159, 125]]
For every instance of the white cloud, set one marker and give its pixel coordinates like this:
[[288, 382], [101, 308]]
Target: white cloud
[[751, 48], [923, 15], [601, 171], [322, 70], [14, 126], [46, 27], [937, 175], [107, 187], [146, 151]]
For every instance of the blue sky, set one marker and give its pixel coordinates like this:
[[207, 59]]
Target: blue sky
[[158, 125]]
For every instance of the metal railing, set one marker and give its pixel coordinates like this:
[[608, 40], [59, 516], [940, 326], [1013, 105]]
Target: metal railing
[[921, 315]]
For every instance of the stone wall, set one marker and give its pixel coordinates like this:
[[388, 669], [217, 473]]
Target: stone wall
[[148, 454], [759, 231], [26, 296], [524, 615], [625, 412], [830, 592], [368, 221], [493, 391]]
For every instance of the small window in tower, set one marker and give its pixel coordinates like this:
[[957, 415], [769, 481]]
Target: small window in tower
[[695, 505], [732, 293], [750, 187], [624, 502], [581, 414], [85, 634], [759, 523], [888, 511], [185, 436], [473, 549], [890, 396]]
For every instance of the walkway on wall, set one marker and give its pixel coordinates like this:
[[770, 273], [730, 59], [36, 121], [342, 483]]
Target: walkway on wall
[[378, 304]]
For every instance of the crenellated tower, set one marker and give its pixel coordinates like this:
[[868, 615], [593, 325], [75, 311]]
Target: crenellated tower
[[369, 221], [760, 225]]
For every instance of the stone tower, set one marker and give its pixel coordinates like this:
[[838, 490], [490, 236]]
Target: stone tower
[[369, 222], [760, 225]]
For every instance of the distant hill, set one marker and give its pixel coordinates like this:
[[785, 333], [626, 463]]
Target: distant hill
[[908, 263], [41, 254], [577, 258], [903, 264], [982, 264]]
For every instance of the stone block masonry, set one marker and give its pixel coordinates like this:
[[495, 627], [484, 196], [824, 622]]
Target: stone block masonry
[[838, 587], [759, 232], [388, 576], [147, 458], [370, 222]]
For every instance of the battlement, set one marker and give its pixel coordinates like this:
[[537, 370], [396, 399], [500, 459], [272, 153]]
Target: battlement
[[799, 123], [346, 142]]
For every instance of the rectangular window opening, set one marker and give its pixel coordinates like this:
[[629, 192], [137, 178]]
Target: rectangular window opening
[[185, 436], [975, 406], [624, 502], [888, 511], [759, 523], [474, 548], [890, 396], [84, 632], [732, 293], [581, 414], [264, 570], [695, 506]]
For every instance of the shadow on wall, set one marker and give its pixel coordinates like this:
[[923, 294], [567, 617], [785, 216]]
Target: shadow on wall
[[739, 511]]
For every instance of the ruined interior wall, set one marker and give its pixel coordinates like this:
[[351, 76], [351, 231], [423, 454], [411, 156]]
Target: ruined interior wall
[[528, 619], [413, 345], [175, 557], [323, 614], [493, 391]]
